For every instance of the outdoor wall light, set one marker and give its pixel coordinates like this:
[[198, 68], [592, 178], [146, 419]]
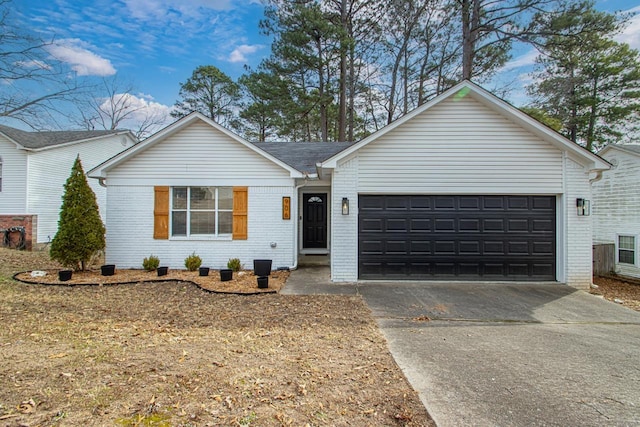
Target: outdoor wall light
[[584, 207], [345, 206]]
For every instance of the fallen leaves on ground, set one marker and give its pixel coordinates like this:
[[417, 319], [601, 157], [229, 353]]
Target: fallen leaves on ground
[[626, 290], [172, 354]]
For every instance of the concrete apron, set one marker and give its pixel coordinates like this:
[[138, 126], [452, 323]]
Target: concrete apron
[[498, 354]]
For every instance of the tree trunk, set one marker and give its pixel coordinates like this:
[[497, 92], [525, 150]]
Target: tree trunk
[[342, 104]]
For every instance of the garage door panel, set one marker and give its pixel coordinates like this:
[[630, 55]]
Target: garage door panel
[[444, 224], [420, 225], [468, 237]]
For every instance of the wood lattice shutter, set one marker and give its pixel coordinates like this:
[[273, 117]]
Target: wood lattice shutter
[[161, 213], [240, 210]]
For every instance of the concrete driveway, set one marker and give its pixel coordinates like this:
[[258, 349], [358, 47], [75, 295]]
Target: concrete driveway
[[495, 354]]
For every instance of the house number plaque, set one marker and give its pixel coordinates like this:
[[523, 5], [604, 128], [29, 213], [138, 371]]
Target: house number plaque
[[286, 208]]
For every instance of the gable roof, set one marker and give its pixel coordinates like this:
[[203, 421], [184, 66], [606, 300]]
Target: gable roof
[[468, 88], [49, 139], [101, 170], [303, 156], [627, 148]]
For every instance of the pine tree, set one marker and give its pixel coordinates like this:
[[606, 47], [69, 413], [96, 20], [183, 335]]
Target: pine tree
[[80, 229]]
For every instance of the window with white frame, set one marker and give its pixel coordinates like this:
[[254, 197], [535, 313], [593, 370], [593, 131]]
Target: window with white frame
[[201, 211], [627, 249]]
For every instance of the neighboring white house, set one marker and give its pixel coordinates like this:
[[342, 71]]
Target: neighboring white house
[[35, 165], [616, 198], [465, 187]]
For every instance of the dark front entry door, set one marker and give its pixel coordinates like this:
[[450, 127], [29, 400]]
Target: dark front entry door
[[314, 234]]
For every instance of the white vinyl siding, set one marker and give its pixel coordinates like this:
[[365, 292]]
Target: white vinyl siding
[[49, 170], [13, 195], [198, 155], [614, 207], [460, 146]]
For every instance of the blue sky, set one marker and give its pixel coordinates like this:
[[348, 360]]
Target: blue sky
[[156, 44]]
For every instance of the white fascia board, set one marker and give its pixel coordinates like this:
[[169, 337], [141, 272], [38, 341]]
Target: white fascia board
[[332, 162], [622, 148], [101, 170], [581, 154], [17, 144], [588, 159]]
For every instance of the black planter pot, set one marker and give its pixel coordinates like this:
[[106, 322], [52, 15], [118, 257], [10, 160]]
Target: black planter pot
[[162, 271], [263, 282], [64, 275], [226, 274], [203, 271], [262, 267], [108, 269]]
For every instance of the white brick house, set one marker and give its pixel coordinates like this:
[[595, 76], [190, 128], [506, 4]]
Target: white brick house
[[616, 198], [35, 165], [466, 187]]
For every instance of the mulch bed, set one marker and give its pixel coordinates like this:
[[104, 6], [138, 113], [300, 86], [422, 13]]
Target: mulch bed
[[622, 290], [243, 282]]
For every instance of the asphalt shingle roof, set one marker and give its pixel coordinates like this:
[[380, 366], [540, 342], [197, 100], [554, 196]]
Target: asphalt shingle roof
[[303, 156], [35, 140]]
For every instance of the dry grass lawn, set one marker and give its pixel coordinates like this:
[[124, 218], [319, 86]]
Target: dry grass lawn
[[171, 354]]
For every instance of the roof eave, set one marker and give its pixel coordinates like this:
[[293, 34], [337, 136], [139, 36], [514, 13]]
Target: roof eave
[[102, 169]]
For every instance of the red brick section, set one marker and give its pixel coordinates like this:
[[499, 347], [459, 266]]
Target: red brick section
[[30, 224]]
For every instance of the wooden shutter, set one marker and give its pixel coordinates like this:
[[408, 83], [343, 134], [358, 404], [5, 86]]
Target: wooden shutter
[[161, 213], [240, 210]]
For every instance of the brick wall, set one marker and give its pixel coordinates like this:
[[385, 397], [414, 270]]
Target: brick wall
[[30, 224]]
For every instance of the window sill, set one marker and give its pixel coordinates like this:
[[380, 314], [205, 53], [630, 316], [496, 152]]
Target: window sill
[[226, 238]]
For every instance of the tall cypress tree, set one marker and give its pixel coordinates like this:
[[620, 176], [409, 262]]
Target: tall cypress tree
[[80, 229]]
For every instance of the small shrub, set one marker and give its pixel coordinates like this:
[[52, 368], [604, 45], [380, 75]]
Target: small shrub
[[192, 262], [151, 263], [234, 264]]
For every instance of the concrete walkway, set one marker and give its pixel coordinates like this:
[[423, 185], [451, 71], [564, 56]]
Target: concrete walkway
[[496, 354]]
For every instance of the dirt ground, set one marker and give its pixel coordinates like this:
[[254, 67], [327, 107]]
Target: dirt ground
[[171, 354], [622, 291]]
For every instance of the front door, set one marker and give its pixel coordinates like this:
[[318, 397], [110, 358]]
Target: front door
[[314, 235]]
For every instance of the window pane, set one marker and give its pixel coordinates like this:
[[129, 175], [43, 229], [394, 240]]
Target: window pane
[[225, 198], [626, 242], [203, 198], [226, 222], [179, 223], [203, 222], [626, 257], [179, 198]]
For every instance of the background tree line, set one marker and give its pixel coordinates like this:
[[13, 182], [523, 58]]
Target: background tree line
[[341, 69]]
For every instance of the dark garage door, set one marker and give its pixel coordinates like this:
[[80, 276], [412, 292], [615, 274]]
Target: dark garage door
[[457, 237]]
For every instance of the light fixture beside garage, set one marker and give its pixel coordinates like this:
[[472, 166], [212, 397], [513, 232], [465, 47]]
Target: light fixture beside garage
[[345, 206], [584, 207]]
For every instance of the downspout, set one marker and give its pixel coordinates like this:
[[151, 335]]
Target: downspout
[[597, 178], [296, 222], [101, 181]]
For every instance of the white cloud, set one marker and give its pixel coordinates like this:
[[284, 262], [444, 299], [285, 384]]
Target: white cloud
[[631, 33], [75, 52], [239, 53], [525, 60], [141, 111], [154, 9]]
